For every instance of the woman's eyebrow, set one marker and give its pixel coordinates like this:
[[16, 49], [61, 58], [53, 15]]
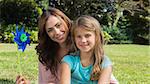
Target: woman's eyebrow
[[58, 23], [55, 25]]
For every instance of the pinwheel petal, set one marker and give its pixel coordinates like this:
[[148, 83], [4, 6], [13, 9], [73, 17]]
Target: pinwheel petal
[[24, 46]]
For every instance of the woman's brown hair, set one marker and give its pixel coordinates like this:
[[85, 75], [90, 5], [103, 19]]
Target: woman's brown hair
[[47, 48]]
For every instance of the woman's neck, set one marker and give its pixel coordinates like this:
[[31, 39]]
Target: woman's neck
[[86, 58], [63, 45], [62, 51]]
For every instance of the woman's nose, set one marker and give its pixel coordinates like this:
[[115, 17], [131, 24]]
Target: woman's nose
[[57, 31]]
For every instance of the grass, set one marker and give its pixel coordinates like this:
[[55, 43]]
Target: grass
[[130, 62], [9, 65]]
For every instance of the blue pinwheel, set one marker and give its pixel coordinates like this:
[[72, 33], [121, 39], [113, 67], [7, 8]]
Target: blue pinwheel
[[21, 38]]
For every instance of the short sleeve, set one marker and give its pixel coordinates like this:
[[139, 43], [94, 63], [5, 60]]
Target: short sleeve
[[106, 62], [70, 60], [76, 53]]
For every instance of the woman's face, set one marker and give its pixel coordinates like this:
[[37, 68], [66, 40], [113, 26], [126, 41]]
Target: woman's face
[[56, 29]]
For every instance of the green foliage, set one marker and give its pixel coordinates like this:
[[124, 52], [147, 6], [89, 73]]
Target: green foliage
[[34, 36], [131, 22], [16, 11], [137, 13], [118, 37], [43, 4], [75, 8], [7, 36], [140, 30], [126, 21], [107, 37]]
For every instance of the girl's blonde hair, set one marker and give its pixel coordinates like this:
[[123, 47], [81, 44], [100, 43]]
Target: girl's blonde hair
[[91, 24]]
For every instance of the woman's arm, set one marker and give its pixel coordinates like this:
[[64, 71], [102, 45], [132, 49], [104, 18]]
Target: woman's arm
[[45, 76], [105, 75], [65, 75]]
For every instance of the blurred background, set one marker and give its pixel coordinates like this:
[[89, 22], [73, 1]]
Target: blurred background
[[125, 24], [123, 21]]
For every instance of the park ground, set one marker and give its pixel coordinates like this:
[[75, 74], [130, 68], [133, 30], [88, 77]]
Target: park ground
[[131, 63]]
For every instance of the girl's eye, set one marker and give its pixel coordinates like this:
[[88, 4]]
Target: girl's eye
[[87, 35]]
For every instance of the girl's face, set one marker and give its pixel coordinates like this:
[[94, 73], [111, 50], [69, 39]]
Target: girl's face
[[56, 29], [84, 39]]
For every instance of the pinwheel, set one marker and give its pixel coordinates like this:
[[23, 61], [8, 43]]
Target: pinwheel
[[21, 38]]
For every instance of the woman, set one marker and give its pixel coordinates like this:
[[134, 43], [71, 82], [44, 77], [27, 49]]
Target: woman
[[53, 43]]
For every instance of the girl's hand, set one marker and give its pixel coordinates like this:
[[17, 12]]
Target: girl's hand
[[21, 80]]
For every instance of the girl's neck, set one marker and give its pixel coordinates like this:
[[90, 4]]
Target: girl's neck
[[86, 58]]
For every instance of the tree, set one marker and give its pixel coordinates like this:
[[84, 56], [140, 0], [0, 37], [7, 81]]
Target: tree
[[19, 11], [136, 12], [75, 8]]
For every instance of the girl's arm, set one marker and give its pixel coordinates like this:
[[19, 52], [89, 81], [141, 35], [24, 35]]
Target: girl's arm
[[65, 75], [105, 75]]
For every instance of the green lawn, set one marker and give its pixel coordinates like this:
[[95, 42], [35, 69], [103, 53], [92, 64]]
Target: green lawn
[[131, 65]]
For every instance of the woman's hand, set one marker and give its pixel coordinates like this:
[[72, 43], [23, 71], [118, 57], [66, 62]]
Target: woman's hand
[[21, 80]]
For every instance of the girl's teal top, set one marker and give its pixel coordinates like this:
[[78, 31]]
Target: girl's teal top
[[80, 74]]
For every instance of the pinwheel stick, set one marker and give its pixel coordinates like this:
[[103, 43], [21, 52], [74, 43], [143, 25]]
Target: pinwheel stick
[[19, 63], [21, 39]]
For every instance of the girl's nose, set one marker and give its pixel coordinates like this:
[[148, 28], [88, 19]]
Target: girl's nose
[[83, 39]]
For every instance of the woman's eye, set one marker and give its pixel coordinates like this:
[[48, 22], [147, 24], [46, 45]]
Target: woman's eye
[[58, 25], [49, 30], [78, 36]]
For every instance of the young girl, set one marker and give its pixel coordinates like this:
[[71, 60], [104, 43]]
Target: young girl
[[90, 66]]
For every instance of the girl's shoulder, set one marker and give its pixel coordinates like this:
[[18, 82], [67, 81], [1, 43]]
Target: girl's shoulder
[[106, 62], [71, 60], [76, 53], [71, 57]]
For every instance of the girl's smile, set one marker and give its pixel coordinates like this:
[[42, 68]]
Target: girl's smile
[[85, 41]]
